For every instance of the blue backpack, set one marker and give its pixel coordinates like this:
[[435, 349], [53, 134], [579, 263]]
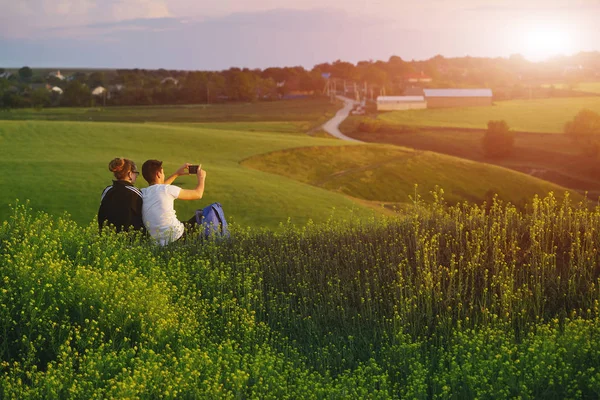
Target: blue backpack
[[212, 220]]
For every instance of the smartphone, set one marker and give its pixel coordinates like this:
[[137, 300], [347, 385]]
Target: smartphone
[[193, 169]]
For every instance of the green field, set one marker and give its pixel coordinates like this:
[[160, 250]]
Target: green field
[[546, 115], [60, 157], [588, 87], [298, 127], [315, 111], [436, 302], [62, 167], [389, 174], [554, 158]]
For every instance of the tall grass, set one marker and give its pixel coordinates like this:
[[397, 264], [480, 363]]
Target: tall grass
[[445, 302]]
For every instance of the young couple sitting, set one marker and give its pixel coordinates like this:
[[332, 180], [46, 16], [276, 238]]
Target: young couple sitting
[[150, 209]]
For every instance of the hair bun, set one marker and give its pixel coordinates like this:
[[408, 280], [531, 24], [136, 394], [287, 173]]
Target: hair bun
[[116, 165]]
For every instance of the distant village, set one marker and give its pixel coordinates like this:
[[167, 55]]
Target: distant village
[[395, 84]]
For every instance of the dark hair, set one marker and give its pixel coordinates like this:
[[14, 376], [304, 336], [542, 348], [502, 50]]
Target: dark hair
[[150, 169], [120, 167]]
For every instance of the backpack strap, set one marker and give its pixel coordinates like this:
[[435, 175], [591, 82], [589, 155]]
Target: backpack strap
[[219, 210]]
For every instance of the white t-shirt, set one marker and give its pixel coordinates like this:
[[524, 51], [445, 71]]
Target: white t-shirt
[[159, 215]]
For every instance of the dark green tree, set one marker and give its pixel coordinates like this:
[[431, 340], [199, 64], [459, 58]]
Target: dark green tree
[[96, 79], [242, 86], [25, 73], [584, 129], [343, 70], [76, 94], [40, 98], [498, 141]]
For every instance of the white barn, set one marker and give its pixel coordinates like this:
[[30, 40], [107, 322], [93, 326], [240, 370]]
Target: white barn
[[389, 103]]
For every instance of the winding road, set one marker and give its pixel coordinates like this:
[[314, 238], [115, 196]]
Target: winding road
[[332, 126]]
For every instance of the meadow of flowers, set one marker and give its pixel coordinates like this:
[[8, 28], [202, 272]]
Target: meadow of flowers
[[443, 302]]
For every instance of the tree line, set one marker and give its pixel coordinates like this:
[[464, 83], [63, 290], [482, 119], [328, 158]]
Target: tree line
[[511, 77]]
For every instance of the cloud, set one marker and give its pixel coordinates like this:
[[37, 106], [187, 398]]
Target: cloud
[[68, 7], [256, 40], [28, 18], [124, 10], [259, 39]]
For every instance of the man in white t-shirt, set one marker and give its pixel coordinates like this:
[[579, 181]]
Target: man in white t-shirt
[[158, 212]]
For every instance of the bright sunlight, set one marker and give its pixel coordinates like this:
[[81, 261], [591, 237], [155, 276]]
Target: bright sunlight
[[543, 42]]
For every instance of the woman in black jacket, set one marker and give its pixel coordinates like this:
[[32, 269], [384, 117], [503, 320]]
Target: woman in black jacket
[[121, 203]]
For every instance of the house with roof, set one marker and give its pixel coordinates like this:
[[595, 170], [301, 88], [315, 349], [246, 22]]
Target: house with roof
[[445, 98], [170, 80], [98, 91], [56, 74], [418, 78], [50, 88], [395, 103]]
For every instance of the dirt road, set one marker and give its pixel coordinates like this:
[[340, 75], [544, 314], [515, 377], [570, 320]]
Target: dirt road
[[332, 126]]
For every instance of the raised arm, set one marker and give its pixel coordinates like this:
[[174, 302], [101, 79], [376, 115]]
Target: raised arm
[[181, 171], [198, 191]]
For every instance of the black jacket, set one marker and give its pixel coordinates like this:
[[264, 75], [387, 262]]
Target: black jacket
[[121, 206]]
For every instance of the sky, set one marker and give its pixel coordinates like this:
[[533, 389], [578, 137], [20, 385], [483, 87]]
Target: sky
[[219, 34]]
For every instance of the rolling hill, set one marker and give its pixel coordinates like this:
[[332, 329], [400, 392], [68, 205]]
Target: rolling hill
[[388, 174]]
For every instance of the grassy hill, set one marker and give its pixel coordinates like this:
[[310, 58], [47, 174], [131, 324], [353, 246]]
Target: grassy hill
[[554, 158], [547, 115], [389, 174], [441, 302], [62, 167]]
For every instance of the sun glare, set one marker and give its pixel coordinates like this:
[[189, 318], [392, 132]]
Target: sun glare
[[541, 43]]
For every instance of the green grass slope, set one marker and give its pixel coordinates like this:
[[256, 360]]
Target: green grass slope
[[388, 174], [62, 167], [298, 127], [546, 115], [316, 110]]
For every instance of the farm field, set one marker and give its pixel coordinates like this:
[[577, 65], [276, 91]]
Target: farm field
[[314, 110], [554, 158], [62, 168], [446, 299], [389, 174], [297, 127], [546, 115], [588, 87]]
